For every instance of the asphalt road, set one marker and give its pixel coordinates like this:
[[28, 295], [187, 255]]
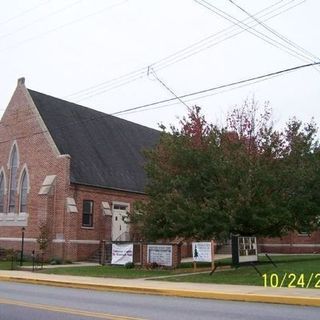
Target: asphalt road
[[25, 302]]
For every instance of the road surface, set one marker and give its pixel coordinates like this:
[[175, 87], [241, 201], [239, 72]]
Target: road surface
[[37, 302]]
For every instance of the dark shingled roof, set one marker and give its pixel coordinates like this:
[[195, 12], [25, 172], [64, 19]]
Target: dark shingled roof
[[105, 151]]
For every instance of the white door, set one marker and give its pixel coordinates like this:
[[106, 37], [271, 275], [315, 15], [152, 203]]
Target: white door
[[120, 229]]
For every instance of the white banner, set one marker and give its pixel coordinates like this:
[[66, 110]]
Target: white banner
[[122, 253], [201, 251], [161, 254]]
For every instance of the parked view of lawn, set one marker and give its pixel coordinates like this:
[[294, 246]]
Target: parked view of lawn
[[107, 272], [6, 265], [295, 270]]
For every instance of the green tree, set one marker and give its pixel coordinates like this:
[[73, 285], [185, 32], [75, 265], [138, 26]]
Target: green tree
[[206, 181]]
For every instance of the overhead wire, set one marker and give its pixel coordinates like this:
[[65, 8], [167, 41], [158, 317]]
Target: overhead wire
[[23, 27], [173, 58], [24, 12], [275, 32], [205, 91], [254, 32], [204, 95], [219, 87], [97, 12], [169, 89]]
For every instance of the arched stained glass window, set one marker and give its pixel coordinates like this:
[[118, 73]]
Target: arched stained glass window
[[1, 192], [24, 192], [13, 179]]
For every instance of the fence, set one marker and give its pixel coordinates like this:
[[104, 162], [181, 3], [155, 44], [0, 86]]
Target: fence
[[168, 254]]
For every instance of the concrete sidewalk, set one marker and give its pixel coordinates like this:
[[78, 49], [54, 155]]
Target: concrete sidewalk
[[295, 296]]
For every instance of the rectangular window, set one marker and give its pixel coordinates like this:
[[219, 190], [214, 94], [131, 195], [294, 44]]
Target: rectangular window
[[120, 207], [87, 213]]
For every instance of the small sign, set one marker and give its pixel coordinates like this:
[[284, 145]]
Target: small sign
[[247, 249], [201, 251], [160, 254], [122, 253]]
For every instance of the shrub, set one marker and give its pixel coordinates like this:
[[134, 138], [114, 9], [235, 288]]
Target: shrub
[[129, 265], [55, 261]]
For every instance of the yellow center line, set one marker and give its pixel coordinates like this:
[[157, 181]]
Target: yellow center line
[[78, 312]]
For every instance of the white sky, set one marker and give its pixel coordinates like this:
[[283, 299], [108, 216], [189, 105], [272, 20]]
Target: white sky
[[63, 46]]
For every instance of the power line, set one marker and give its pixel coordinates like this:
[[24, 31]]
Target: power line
[[241, 82], [24, 12], [65, 25], [40, 19], [276, 33], [219, 87], [180, 55], [170, 90], [254, 32], [210, 94]]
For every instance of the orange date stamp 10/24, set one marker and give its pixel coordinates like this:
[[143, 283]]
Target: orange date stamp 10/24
[[291, 280]]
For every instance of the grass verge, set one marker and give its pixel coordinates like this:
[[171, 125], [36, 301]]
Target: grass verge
[[299, 271]]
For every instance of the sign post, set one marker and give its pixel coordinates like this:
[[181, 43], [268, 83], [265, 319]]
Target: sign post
[[212, 255]]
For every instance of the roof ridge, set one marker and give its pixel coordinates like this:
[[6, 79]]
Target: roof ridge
[[103, 114]]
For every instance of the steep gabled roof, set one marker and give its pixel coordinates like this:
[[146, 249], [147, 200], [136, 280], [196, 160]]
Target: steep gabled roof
[[105, 151]]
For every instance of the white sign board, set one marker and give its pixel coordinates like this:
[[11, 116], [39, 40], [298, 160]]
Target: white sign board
[[201, 251], [247, 249], [161, 254], [122, 253]]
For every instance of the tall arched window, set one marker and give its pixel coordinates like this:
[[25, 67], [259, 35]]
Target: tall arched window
[[24, 191], [13, 179], [1, 192]]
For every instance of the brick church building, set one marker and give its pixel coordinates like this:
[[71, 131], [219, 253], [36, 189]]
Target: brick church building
[[72, 169], [77, 172]]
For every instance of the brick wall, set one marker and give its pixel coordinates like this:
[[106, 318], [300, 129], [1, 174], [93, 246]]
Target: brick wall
[[101, 229], [176, 254], [291, 243], [21, 124]]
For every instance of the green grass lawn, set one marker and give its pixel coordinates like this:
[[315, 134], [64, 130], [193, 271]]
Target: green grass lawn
[[5, 265], [108, 272], [294, 271], [291, 270]]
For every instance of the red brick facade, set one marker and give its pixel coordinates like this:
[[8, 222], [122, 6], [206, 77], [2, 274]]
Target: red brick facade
[[291, 243], [22, 126]]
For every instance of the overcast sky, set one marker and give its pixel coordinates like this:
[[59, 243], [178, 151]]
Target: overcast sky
[[156, 49]]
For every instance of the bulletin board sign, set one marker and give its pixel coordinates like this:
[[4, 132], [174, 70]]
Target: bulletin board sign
[[160, 254], [202, 251], [244, 249]]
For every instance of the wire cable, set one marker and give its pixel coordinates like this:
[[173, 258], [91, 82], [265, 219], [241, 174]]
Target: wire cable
[[276, 33], [254, 32], [24, 12], [232, 84], [219, 87], [41, 18], [180, 55]]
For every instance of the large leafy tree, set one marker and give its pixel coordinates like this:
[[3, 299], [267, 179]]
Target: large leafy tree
[[206, 181]]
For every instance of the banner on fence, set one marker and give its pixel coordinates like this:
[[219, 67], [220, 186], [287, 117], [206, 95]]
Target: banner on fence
[[122, 253], [160, 254], [201, 251]]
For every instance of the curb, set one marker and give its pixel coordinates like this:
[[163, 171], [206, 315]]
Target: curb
[[215, 295]]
